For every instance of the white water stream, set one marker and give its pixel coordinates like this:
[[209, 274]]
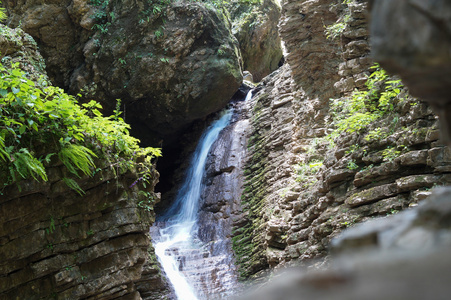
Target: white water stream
[[181, 218]]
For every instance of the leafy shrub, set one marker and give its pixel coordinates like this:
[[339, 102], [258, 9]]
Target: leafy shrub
[[363, 107], [2, 13], [36, 120]]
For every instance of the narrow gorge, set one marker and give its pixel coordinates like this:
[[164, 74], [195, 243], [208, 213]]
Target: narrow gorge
[[287, 150]]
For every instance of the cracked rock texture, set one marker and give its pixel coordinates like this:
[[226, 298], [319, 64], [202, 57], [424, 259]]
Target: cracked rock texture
[[404, 256]]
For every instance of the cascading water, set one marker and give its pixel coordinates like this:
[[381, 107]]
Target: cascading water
[[179, 229]]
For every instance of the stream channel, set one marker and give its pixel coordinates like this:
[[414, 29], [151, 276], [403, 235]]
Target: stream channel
[[193, 240]]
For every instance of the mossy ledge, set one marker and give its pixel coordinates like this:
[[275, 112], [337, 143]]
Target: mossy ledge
[[248, 235]]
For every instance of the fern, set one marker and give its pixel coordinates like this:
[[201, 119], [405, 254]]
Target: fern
[[26, 165], [3, 154], [77, 157], [73, 185], [2, 13], [33, 114]]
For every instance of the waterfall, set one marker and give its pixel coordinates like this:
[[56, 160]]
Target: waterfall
[[178, 233]]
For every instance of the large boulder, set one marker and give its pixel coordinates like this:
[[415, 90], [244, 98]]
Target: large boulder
[[413, 38], [169, 63], [254, 24]]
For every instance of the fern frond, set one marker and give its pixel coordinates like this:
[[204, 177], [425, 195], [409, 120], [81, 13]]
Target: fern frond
[[3, 154], [27, 165], [3, 15], [77, 157], [73, 185]]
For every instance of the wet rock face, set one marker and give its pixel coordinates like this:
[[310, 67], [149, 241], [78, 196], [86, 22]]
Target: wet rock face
[[220, 206], [169, 67], [255, 27]]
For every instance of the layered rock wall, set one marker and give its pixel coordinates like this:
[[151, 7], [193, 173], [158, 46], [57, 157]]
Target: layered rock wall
[[300, 192], [267, 169], [254, 24], [58, 244]]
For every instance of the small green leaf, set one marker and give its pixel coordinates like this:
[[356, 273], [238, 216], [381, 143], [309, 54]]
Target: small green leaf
[[22, 129]]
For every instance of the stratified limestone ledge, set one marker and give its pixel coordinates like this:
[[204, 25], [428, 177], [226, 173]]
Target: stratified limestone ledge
[[55, 243]]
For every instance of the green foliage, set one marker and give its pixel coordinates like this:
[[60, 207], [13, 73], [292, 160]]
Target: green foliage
[[102, 18], [352, 165], [390, 153], [363, 107], [335, 30], [26, 165], [147, 200], [2, 13], [73, 185], [159, 32], [51, 228], [37, 120], [376, 134], [154, 9], [77, 157], [353, 148], [306, 171]]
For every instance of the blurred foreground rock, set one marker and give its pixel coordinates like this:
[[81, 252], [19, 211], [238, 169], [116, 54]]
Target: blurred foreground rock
[[404, 256], [413, 39]]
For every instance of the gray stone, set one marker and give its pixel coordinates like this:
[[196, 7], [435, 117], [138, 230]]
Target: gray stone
[[372, 195]]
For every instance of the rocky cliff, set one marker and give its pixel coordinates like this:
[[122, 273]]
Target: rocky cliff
[[61, 243], [254, 24], [58, 244], [170, 63], [311, 170], [304, 185]]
